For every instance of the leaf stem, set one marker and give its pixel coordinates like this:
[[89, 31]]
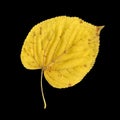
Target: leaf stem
[[42, 90]]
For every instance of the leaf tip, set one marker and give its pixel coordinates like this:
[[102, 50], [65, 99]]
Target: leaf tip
[[99, 28]]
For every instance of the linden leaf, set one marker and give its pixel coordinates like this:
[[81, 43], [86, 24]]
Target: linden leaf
[[65, 48]]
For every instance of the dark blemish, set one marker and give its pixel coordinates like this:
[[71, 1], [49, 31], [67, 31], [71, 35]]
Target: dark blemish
[[69, 85], [97, 34], [81, 21], [40, 30], [73, 44], [65, 51], [97, 31], [60, 36], [89, 39], [85, 65], [49, 69]]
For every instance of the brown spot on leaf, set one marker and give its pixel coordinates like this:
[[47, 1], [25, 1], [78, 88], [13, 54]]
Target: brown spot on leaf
[[40, 30], [81, 21], [69, 85], [85, 65], [49, 69], [65, 51], [89, 39]]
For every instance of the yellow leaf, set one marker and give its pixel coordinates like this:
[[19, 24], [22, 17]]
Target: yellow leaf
[[64, 47]]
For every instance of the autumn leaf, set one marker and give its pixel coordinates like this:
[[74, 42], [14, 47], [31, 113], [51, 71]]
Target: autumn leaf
[[64, 47]]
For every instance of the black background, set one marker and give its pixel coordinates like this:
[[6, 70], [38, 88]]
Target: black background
[[93, 96]]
